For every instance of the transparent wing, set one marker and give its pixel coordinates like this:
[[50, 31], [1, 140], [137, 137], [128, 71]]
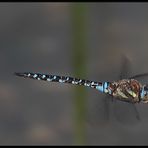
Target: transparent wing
[[140, 76], [125, 112], [125, 70], [106, 108], [99, 112]]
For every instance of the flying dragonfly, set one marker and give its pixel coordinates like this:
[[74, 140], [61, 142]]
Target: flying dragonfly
[[127, 89]]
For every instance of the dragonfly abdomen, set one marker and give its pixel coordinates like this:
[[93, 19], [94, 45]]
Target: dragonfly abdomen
[[64, 79]]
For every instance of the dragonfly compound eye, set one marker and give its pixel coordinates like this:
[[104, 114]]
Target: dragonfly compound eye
[[144, 94]]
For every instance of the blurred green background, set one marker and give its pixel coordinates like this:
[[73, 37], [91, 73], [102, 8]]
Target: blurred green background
[[84, 40]]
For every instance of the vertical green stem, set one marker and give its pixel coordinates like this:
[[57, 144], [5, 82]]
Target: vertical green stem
[[79, 62]]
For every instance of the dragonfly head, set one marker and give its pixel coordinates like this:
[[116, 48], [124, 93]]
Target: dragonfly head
[[144, 94]]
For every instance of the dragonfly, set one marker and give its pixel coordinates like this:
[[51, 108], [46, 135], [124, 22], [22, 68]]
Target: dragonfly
[[126, 89]]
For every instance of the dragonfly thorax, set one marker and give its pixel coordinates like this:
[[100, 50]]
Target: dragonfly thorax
[[126, 90]]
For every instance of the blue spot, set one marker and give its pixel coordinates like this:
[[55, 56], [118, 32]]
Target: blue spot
[[43, 76], [35, 75], [49, 80], [109, 91], [100, 88], [105, 85], [142, 93]]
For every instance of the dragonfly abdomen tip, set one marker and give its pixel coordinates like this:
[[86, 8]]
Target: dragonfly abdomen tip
[[19, 74]]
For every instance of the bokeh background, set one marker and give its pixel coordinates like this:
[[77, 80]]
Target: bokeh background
[[84, 40]]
